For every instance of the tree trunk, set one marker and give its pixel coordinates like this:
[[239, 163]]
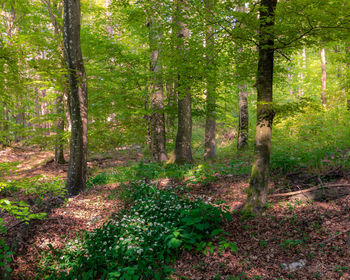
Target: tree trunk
[[322, 54], [243, 115], [210, 122], [76, 180], [55, 12], [157, 120], [183, 153], [59, 152], [258, 185]]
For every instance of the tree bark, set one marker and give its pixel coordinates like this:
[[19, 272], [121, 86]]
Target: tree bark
[[243, 113], [322, 54], [243, 116], [76, 180], [59, 151], [55, 12], [183, 152], [210, 122], [157, 121], [258, 185]]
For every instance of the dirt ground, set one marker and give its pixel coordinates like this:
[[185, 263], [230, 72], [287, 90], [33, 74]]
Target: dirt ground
[[295, 238]]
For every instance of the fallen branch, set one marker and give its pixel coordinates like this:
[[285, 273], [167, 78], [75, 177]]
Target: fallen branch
[[310, 190], [334, 236]]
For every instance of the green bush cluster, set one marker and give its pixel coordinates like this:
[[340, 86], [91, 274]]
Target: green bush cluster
[[140, 242]]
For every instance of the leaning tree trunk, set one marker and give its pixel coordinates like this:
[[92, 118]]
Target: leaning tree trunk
[[243, 125], [76, 180], [258, 185], [322, 54], [157, 120], [183, 152], [210, 121]]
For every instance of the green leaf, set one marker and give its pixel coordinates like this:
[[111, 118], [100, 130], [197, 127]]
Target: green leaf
[[174, 243]]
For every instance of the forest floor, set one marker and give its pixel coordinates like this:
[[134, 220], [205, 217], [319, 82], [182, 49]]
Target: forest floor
[[300, 236]]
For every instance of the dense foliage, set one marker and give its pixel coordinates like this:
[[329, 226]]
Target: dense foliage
[[141, 241]]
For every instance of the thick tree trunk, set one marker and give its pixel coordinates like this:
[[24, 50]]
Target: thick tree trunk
[[210, 122], [183, 152], [76, 180], [243, 115], [258, 185], [322, 54], [157, 121]]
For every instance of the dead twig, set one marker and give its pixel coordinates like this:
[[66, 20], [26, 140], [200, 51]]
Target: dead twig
[[310, 190], [333, 237]]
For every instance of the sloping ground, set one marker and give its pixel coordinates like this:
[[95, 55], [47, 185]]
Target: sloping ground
[[87, 211], [314, 235]]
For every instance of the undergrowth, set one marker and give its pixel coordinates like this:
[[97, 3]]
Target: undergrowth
[[140, 242], [11, 191]]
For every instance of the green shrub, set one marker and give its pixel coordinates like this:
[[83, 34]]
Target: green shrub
[[140, 242]]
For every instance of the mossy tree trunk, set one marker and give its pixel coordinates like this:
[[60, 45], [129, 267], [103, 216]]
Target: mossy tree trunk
[[258, 186], [243, 116], [157, 120], [183, 152], [76, 180]]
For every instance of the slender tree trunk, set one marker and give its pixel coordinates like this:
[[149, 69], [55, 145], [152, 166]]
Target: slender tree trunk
[[55, 12], [76, 180], [322, 54], [183, 152], [347, 83], [109, 26], [157, 121], [243, 116], [301, 74], [59, 152], [210, 122], [171, 109], [258, 185]]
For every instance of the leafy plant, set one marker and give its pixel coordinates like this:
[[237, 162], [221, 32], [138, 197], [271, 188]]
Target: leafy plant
[[139, 242]]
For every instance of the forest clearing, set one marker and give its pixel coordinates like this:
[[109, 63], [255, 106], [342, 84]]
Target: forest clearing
[[175, 139]]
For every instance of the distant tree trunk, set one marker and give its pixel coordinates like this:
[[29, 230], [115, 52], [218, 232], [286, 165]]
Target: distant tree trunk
[[210, 122], [55, 12], [301, 73], [258, 185], [243, 113], [109, 26], [322, 54], [171, 109], [76, 180], [59, 152], [347, 83], [243, 116], [183, 152], [157, 121]]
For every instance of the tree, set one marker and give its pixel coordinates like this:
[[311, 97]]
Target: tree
[[76, 180], [157, 121], [55, 14], [258, 184], [210, 121], [322, 54], [183, 153]]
